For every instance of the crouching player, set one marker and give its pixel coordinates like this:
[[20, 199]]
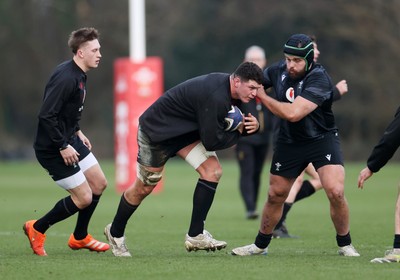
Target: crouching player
[[188, 121]]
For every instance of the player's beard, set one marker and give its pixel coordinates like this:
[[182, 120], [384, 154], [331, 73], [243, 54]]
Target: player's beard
[[295, 75]]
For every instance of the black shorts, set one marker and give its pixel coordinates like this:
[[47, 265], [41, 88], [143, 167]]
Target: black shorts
[[157, 154], [289, 160], [55, 165]]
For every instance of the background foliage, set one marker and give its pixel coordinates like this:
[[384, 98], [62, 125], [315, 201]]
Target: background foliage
[[358, 39]]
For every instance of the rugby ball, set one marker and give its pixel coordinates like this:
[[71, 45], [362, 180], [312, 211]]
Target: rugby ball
[[233, 119]]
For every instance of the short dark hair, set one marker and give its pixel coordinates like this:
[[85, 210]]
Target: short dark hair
[[249, 71], [81, 36]]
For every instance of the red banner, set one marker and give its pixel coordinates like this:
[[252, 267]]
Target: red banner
[[136, 87]]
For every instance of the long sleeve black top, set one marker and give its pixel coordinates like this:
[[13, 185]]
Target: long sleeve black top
[[198, 105], [386, 146], [62, 107]]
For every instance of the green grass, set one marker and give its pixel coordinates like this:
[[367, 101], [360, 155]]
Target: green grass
[[156, 231]]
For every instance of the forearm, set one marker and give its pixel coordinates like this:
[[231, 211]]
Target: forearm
[[277, 108], [292, 112]]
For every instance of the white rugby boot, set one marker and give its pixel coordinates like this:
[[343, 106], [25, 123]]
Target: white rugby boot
[[348, 251], [203, 241], [249, 250], [118, 246]]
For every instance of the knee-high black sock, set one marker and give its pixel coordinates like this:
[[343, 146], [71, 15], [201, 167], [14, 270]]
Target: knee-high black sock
[[63, 209], [306, 190], [263, 240], [343, 240], [84, 215], [202, 200], [286, 209], [396, 241], [124, 212]]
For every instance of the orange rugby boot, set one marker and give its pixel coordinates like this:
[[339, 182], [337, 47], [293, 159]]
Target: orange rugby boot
[[87, 243], [36, 239]]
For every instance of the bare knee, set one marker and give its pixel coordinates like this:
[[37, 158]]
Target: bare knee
[[99, 186], [205, 162], [336, 196], [277, 197], [212, 173], [97, 181], [217, 173], [83, 200], [279, 189]]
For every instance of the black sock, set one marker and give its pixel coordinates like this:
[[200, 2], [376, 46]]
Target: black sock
[[286, 209], [63, 209], [124, 212], [396, 242], [84, 215], [306, 190], [343, 240], [263, 240], [202, 200]]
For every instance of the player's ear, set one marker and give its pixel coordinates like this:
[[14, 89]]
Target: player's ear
[[80, 53], [237, 81]]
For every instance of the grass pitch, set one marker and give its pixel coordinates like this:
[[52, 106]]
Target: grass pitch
[[156, 231]]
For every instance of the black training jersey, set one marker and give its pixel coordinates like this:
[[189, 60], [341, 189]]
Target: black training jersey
[[387, 145], [316, 87], [198, 105], [62, 107]]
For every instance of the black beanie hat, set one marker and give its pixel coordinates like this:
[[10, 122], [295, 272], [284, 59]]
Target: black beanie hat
[[302, 46]]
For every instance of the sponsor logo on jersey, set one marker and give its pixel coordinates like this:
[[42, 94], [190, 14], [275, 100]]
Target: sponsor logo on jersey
[[328, 157], [290, 94]]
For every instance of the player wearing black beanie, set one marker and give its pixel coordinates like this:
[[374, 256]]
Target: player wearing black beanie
[[302, 46], [307, 134]]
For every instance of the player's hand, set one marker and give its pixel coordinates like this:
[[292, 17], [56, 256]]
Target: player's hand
[[364, 175], [261, 92], [342, 87], [70, 155], [84, 139], [251, 123]]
